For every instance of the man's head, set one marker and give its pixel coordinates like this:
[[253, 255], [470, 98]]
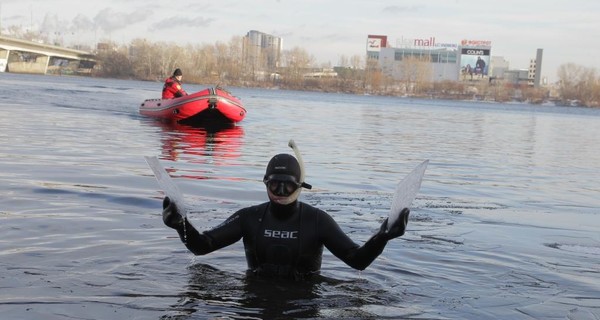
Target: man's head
[[177, 73], [282, 179]]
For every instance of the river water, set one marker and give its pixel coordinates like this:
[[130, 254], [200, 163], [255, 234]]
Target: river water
[[506, 225]]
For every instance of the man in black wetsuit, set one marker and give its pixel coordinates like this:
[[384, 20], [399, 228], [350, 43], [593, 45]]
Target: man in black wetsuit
[[284, 237]]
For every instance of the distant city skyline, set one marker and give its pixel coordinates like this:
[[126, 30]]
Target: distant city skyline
[[327, 30]]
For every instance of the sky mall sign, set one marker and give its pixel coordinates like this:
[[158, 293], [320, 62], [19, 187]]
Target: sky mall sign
[[424, 43], [431, 43]]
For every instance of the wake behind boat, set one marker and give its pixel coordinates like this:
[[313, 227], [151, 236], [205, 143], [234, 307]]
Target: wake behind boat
[[211, 105]]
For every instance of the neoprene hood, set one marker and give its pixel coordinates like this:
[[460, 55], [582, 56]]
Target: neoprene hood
[[283, 167]]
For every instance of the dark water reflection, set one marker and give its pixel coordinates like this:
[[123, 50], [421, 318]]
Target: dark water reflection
[[506, 225], [243, 297], [248, 297]]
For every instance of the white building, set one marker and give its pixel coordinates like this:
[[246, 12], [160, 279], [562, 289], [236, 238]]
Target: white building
[[499, 65], [442, 64]]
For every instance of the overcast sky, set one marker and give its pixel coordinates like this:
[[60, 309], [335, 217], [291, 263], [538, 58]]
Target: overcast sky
[[568, 31]]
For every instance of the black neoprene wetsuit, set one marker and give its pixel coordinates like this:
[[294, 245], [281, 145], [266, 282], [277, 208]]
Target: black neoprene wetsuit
[[284, 241]]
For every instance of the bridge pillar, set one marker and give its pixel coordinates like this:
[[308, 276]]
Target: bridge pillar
[[37, 65], [46, 62], [4, 59]]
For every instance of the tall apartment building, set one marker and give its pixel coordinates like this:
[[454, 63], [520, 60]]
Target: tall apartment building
[[535, 69], [262, 51]]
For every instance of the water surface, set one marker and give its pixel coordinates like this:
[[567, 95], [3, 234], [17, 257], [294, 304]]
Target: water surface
[[506, 225]]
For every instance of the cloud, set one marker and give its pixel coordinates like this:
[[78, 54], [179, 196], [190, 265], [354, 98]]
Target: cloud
[[181, 22], [16, 18], [109, 20], [81, 22], [52, 23]]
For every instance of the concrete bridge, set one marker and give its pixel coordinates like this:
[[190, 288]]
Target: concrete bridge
[[22, 56]]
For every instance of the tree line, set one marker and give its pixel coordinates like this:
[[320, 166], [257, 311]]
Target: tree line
[[226, 64]]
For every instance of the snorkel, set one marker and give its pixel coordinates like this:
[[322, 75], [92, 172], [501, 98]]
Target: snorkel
[[294, 147]]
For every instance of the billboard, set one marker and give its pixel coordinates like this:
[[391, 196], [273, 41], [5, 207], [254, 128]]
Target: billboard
[[375, 43], [475, 62]]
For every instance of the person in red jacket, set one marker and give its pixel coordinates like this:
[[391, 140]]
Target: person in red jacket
[[172, 88]]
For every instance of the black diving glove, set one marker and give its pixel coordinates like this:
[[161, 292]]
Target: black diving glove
[[171, 216], [397, 230]]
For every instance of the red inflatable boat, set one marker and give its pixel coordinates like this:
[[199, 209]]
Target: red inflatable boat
[[211, 105]]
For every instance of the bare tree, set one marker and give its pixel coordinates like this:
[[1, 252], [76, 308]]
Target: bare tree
[[579, 85], [343, 61], [371, 81], [234, 63], [295, 63], [356, 62], [205, 64], [169, 56], [142, 59], [115, 63], [415, 73]]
